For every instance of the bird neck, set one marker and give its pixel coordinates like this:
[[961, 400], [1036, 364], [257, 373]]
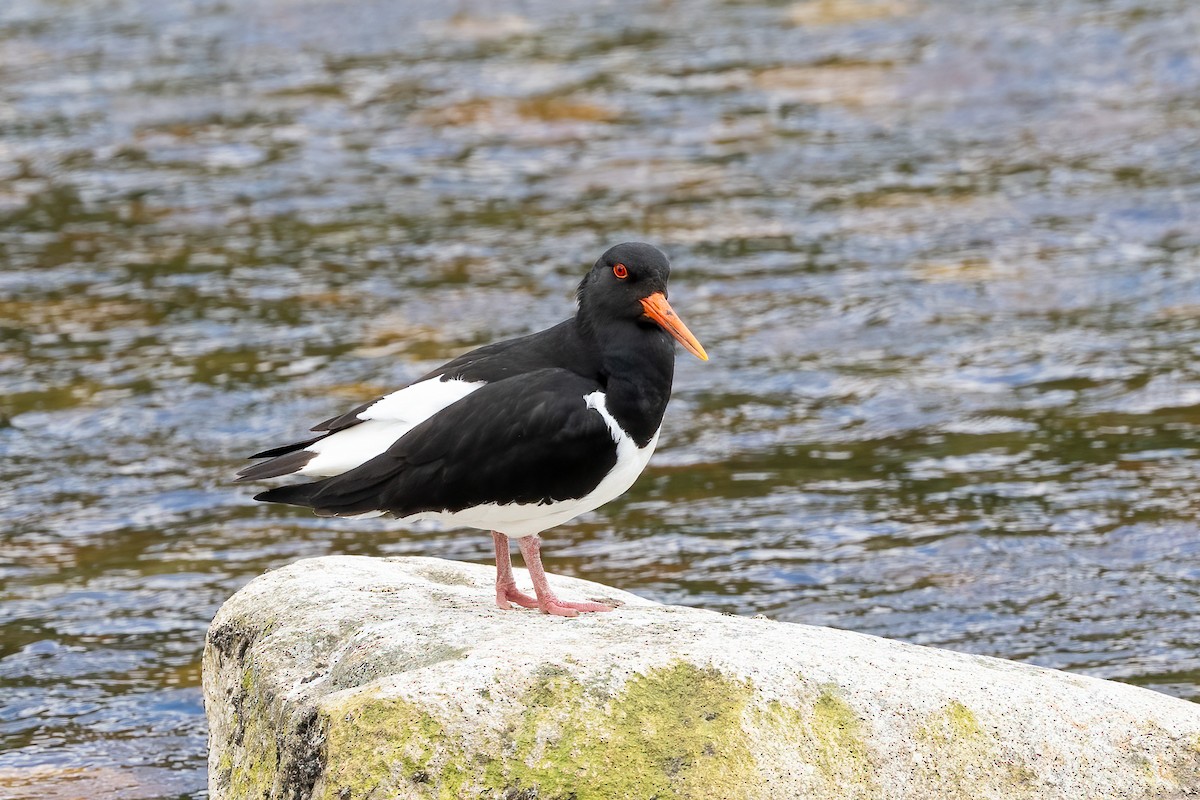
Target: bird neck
[[637, 365]]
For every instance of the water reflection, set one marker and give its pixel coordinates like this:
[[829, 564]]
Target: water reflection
[[942, 255]]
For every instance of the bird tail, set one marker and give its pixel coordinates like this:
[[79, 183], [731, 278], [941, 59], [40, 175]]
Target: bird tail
[[284, 461], [345, 495], [298, 494]]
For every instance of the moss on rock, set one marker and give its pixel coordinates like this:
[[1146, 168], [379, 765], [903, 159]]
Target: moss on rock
[[961, 759], [671, 733], [830, 738], [370, 688], [380, 744], [841, 748], [252, 773]]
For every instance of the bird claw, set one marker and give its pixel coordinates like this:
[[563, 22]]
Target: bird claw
[[564, 608], [506, 593]]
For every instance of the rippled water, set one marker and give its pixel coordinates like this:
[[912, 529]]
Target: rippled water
[[944, 256]]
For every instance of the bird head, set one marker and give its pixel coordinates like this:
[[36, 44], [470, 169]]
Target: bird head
[[629, 282]]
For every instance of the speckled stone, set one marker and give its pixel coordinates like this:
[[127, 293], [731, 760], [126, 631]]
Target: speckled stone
[[349, 677]]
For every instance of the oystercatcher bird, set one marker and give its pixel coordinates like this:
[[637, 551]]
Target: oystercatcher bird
[[515, 437]]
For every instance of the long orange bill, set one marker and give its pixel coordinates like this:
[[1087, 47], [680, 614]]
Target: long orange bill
[[659, 310]]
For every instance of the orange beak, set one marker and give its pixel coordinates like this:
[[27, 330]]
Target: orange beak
[[659, 310]]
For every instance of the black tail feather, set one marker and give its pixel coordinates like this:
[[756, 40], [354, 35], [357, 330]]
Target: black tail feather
[[282, 465], [328, 497], [288, 448], [298, 494], [343, 421]]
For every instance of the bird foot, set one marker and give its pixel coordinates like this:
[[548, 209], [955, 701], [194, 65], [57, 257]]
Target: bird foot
[[505, 593], [564, 608]]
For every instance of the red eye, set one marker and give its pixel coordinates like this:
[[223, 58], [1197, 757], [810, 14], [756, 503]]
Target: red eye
[[620, 271]]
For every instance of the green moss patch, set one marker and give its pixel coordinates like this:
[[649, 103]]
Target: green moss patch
[[960, 759], [674, 733], [251, 766], [832, 738], [841, 750], [375, 746]]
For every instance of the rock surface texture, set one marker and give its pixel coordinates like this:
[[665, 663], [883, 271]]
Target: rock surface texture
[[349, 677]]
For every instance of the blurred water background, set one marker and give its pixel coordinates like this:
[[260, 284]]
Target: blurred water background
[[944, 255]]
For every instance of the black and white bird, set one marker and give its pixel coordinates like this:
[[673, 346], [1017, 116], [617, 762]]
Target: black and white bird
[[514, 437]]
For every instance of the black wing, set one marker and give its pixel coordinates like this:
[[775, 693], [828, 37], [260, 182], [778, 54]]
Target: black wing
[[526, 439], [491, 363]]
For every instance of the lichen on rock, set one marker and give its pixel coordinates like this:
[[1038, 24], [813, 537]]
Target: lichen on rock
[[349, 678]]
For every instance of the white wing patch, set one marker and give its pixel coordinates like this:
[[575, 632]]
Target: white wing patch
[[385, 421]]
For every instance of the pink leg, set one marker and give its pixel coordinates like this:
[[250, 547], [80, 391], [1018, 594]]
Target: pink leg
[[506, 584], [531, 549]]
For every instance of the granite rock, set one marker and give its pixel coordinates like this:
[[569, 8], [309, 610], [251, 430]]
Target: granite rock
[[349, 677]]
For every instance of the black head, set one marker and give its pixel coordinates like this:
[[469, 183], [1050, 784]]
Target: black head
[[629, 284], [620, 279]]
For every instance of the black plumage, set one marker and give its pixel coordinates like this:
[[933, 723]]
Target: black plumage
[[525, 439], [536, 429]]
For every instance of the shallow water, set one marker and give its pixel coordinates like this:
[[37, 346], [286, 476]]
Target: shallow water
[[943, 255]]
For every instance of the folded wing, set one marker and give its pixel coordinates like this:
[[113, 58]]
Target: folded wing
[[531, 439]]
